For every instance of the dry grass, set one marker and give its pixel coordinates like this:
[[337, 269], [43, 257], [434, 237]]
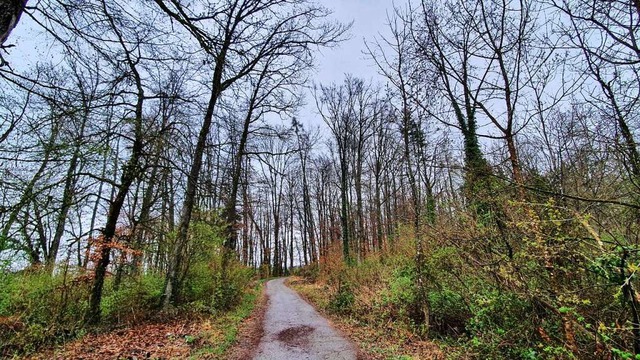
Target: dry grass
[[376, 340], [250, 332]]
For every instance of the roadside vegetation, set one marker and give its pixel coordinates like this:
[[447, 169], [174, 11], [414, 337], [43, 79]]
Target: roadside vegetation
[[559, 295], [41, 311], [478, 199]]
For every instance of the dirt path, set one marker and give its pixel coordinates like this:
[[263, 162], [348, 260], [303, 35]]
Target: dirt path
[[293, 329]]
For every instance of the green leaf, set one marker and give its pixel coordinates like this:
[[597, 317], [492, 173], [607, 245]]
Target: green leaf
[[565, 309]]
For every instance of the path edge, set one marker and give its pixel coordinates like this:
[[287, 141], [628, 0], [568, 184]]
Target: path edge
[[360, 354], [251, 330]]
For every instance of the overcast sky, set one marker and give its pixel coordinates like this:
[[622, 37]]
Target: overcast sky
[[369, 19]]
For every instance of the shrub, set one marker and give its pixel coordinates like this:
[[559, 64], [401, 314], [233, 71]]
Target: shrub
[[449, 313], [400, 297], [212, 289], [500, 327], [211, 283], [310, 272], [230, 285], [343, 300], [134, 298], [38, 309]]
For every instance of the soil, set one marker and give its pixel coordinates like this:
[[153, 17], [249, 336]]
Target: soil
[[174, 339]]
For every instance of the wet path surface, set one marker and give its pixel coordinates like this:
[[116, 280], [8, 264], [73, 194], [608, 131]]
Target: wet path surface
[[293, 329]]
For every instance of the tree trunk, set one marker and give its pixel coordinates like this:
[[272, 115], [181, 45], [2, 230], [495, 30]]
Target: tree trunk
[[175, 262], [130, 173], [67, 198], [344, 208]]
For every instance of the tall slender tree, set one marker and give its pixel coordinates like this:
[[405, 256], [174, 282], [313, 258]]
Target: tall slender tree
[[238, 36]]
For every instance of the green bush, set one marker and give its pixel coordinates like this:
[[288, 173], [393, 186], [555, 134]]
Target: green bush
[[211, 283], [401, 287], [199, 284], [401, 299], [343, 300], [7, 283], [448, 312], [210, 288], [37, 309], [220, 294], [135, 297], [500, 327], [230, 285]]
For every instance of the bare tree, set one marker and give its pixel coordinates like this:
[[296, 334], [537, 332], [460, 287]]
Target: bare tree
[[237, 36], [445, 45], [606, 36], [270, 91], [305, 144], [132, 168], [349, 112]]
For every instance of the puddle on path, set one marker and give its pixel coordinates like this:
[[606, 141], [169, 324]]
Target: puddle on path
[[295, 336]]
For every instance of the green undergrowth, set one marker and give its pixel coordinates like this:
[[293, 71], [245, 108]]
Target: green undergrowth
[[545, 287], [221, 331], [39, 309], [373, 302], [377, 302]]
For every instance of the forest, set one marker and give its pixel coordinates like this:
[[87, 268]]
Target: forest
[[478, 199]]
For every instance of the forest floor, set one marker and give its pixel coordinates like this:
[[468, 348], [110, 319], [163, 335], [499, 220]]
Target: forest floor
[[218, 336], [253, 330], [374, 343], [178, 338]]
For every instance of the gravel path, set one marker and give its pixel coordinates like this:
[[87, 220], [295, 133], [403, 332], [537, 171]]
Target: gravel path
[[293, 329]]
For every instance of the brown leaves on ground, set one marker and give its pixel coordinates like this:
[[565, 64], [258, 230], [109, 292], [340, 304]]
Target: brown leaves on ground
[[250, 332], [381, 344], [175, 339], [172, 336]]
